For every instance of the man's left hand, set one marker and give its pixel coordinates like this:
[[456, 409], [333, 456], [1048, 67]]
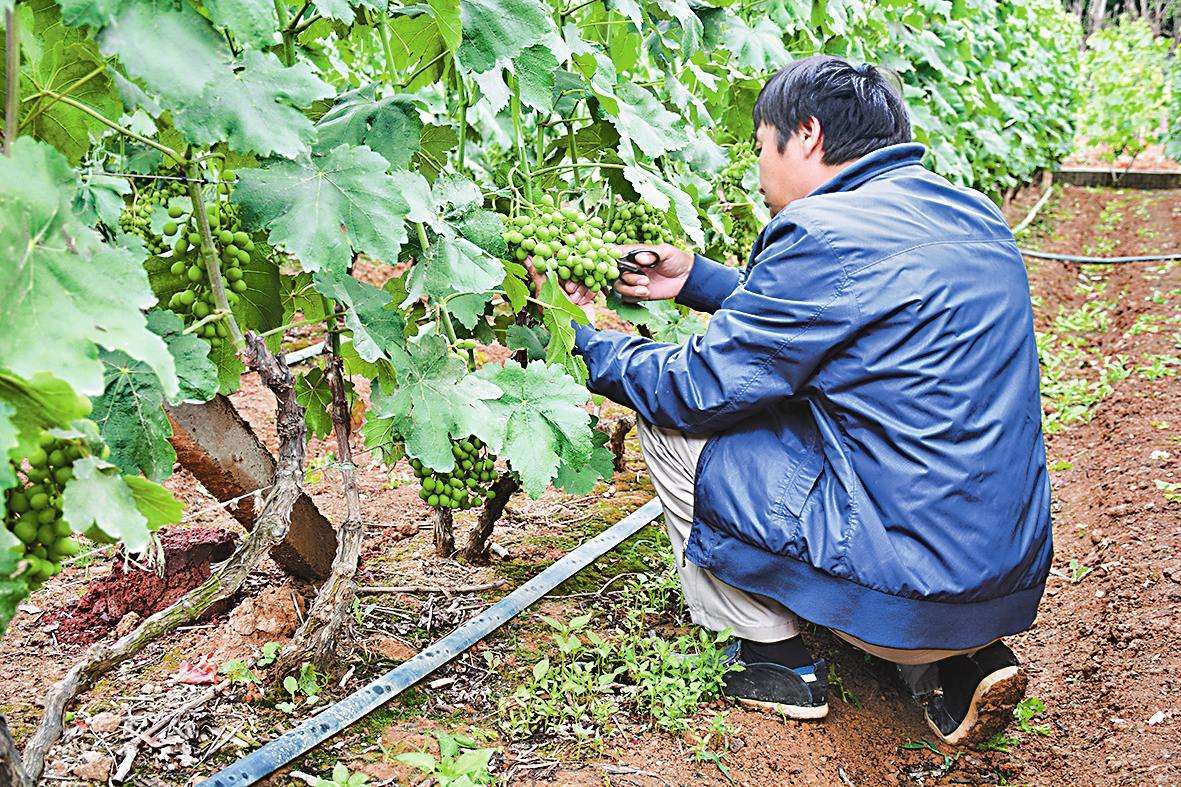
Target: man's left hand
[[579, 294]]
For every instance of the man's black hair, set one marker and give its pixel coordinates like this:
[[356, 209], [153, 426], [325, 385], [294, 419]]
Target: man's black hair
[[858, 108]]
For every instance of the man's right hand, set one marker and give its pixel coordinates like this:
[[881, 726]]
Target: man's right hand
[[662, 281]]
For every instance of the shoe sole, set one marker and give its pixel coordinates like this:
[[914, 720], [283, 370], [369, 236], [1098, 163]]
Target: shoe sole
[[990, 710], [801, 712]]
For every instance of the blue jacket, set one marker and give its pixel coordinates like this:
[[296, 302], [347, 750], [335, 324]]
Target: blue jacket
[[870, 385]]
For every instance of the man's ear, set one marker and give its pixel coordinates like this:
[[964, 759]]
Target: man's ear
[[811, 138]]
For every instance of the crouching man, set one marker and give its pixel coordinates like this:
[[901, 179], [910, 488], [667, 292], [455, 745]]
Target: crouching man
[[856, 438]]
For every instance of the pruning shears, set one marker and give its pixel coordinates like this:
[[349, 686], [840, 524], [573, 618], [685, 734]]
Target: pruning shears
[[631, 262]]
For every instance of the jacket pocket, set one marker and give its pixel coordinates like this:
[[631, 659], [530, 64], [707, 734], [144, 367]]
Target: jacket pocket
[[801, 479]]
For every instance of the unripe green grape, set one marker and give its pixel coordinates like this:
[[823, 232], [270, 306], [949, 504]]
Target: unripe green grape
[[194, 273], [177, 268], [239, 286]]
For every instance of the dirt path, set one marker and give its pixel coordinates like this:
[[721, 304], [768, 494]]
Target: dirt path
[[1103, 655]]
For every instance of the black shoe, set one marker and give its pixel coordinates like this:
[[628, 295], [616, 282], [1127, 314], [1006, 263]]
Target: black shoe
[[800, 693], [979, 693]]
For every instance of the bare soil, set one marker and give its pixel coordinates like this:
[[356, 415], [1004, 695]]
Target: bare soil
[[1103, 654]]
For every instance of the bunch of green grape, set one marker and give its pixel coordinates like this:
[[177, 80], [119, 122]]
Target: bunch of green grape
[[233, 245], [639, 222], [136, 218], [739, 220], [467, 486], [566, 242], [34, 505]]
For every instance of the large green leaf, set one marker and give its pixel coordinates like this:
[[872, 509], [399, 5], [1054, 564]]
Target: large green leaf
[[130, 411], [254, 107], [645, 121], [540, 421], [61, 59], [9, 439], [378, 327], [500, 29], [323, 209], [63, 292], [250, 101], [173, 50], [251, 21], [536, 68], [390, 126], [580, 479], [454, 265], [99, 497], [434, 400], [39, 403]]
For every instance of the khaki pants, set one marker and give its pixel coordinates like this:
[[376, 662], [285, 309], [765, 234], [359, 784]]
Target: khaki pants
[[672, 462]]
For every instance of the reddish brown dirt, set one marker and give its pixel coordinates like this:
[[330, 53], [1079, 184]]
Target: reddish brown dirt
[[130, 590]]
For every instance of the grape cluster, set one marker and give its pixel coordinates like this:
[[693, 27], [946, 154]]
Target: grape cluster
[[464, 487], [34, 511], [639, 222], [232, 244], [136, 218], [566, 242]]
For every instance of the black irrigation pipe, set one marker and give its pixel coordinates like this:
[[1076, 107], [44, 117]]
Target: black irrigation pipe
[[264, 761]]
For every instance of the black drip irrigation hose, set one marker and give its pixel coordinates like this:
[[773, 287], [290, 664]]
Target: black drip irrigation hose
[[269, 758], [1047, 255]]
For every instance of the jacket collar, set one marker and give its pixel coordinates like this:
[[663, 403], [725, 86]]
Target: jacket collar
[[871, 165]]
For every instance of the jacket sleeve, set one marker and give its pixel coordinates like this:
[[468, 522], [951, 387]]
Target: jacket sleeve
[[709, 284], [762, 345]]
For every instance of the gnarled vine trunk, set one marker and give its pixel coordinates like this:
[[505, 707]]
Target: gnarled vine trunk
[[476, 550], [317, 638]]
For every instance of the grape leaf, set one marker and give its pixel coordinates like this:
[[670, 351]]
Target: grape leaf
[[174, 51], [664, 319], [324, 208], [644, 120], [194, 370], [251, 21], [484, 228], [62, 290], [100, 198], [250, 101], [57, 58], [254, 107], [130, 411], [390, 126], [95, 13], [556, 318], [435, 399], [467, 309], [535, 68], [454, 265], [495, 29], [13, 587], [539, 419], [580, 479], [377, 328], [340, 10], [43, 401], [229, 368], [9, 438], [313, 393], [98, 496], [155, 502], [532, 340]]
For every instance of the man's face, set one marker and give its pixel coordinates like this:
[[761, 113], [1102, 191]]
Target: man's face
[[788, 174]]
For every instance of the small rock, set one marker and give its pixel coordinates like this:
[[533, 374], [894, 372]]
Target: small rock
[[127, 624], [1157, 718], [393, 649], [106, 722], [95, 767]]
